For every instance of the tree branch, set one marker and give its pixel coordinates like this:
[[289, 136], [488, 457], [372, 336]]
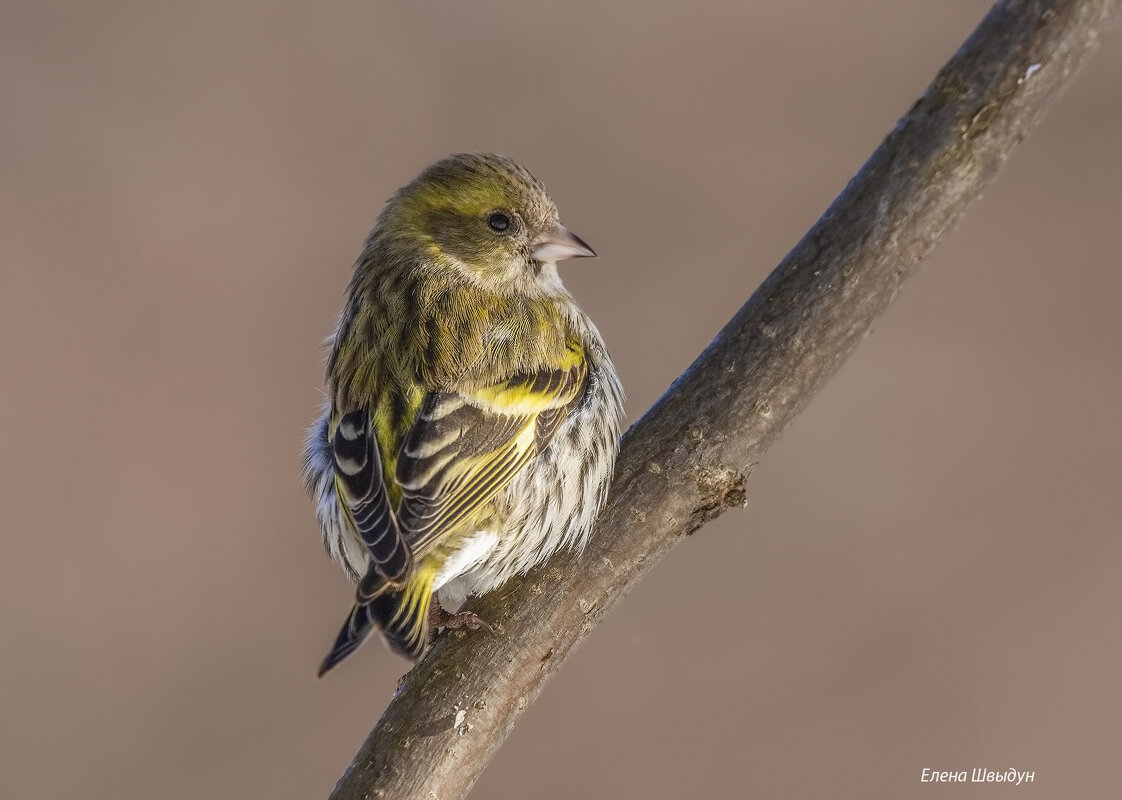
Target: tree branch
[[686, 460]]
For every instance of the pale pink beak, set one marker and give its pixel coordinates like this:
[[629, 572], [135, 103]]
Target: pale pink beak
[[560, 243]]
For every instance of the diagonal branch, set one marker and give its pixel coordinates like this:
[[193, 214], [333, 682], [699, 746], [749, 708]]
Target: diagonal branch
[[685, 461]]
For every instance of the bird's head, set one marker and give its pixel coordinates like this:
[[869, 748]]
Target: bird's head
[[485, 216]]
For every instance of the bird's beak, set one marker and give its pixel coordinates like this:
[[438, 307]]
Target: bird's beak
[[559, 243]]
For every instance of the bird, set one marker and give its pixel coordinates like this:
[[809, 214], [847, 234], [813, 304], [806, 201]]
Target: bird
[[472, 413]]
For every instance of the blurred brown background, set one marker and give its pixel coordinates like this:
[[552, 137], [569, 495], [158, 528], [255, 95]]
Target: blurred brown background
[[927, 574]]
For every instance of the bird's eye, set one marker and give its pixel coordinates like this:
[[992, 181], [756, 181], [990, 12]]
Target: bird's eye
[[498, 221]]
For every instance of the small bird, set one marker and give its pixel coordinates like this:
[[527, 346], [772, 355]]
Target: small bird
[[472, 415]]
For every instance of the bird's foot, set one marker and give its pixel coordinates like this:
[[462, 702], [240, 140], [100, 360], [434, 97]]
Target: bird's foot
[[462, 619]]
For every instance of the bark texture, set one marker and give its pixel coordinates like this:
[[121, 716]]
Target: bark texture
[[687, 459]]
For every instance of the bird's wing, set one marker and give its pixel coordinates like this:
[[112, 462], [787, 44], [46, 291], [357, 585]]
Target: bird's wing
[[466, 445], [361, 490]]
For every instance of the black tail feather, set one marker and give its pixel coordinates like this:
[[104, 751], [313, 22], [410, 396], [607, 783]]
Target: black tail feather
[[402, 617], [357, 627]]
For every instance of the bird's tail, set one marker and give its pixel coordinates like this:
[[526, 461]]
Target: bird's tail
[[402, 616]]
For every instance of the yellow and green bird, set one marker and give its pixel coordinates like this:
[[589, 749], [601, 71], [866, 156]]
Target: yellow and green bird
[[473, 413]]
